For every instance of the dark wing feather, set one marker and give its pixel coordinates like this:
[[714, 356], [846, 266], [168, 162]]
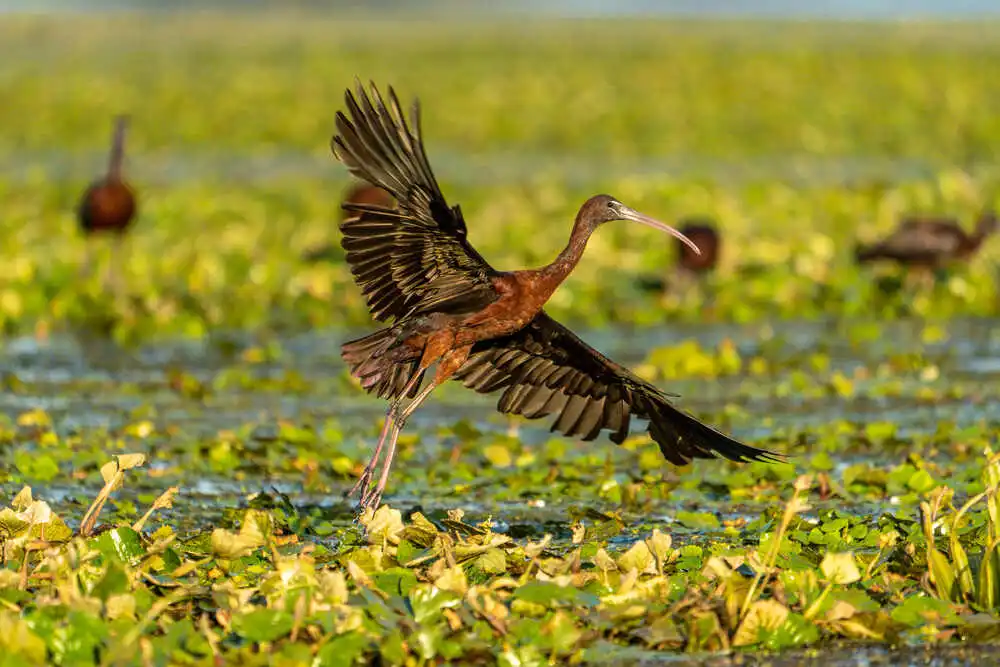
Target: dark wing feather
[[545, 369], [414, 258]]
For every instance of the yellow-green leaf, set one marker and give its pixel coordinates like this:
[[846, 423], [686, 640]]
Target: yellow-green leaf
[[961, 567], [638, 557], [229, 545], [384, 525], [498, 455], [11, 525], [494, 561], [763, 615], [942, 574], [453, 579], [659, 545], [840, 568], [22, 500]]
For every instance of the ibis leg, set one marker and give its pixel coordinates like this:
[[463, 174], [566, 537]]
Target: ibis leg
[[364, 482], [372, 497], [88, 260], [114, 275], [366, 475]]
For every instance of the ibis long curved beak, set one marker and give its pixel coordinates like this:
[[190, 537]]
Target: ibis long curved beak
[[633, 215]]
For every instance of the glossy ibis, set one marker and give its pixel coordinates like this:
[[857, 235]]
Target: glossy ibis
[[705, 236], [108, 205], [929, 242], [483, 327], [366, 193], [690, 263], [357, 193]]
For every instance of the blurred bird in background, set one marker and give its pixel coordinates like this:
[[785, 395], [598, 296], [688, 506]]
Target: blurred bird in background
[[108, 206]]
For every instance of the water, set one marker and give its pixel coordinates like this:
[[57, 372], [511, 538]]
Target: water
[[91, 387], [969, 353]]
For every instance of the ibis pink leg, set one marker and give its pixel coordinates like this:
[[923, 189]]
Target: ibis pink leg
[[364, 482], [372, 498]]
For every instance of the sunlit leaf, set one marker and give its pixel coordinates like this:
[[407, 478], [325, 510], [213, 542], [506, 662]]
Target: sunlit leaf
[[639, 557], [840, 568], [763, 618], [384, 525]]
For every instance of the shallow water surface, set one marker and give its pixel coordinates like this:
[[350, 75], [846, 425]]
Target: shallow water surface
[[93, 391]]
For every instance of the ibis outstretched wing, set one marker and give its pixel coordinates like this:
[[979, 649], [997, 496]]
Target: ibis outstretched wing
[[414, 258], [545, 369]]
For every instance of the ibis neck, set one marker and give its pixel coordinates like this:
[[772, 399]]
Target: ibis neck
[[117, 151], [972, 242], [983, 230], [552, 275]]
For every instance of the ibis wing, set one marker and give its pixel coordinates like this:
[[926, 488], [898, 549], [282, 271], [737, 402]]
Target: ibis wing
[[544, 369], [930, 225], [414, 258], [920, 242]]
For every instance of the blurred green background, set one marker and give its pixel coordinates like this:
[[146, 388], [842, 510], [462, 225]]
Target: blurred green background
[[798, 137]]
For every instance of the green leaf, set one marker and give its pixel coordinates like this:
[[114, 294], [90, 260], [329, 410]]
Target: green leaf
[[822, 461], [396, 581], [795, 631], [961, 567], [988, 594], [699, 520], [122, 544], [35, 466], [405, 552], [81, 635], [549, 594], [919, 610], [263, 625], [942, 574], [114, 582], [494, 561], [420, 531], [428, 601], [342, 651], [921, 481]]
